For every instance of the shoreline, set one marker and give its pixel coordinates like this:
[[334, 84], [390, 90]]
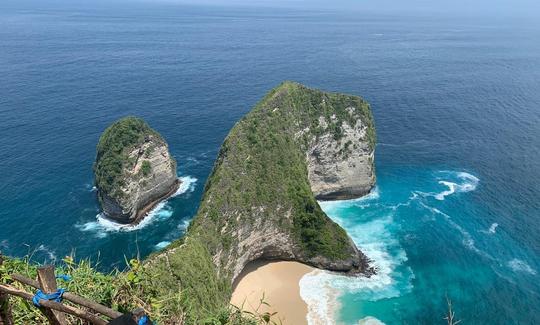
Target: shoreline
[[145, 211], [279, 283]]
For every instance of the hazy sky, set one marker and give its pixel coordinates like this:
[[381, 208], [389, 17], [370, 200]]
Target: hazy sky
[[491, 6], [530, 8]]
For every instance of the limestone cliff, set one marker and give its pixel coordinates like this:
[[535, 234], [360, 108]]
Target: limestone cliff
[[133, 170], [343, 169], [260, 200]]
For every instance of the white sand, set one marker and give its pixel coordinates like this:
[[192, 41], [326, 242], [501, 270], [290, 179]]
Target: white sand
[[279, 282]]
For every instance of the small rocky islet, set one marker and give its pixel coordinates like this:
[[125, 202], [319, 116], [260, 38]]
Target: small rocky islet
[[298, 145], [133, 170]]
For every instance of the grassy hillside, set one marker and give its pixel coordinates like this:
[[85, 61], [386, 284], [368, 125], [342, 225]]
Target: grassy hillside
[[123, 291]]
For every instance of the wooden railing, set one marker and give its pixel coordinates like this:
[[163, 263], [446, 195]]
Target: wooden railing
[[55, 312]]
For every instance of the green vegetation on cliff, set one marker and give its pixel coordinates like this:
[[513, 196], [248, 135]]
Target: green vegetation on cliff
[[261, 169], [266, 166], [113, 148]]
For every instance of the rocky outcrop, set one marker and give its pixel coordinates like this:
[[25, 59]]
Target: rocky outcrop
[[341, 170], [266, 241], [133, 170]]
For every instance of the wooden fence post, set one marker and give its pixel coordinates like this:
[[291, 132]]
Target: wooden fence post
[[6, 317], [47, 282]]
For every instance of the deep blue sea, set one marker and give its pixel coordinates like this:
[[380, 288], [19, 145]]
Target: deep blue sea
[[456, 100]]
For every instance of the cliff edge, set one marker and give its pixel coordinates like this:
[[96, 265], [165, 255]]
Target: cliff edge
[[260, 201], [133, 170]]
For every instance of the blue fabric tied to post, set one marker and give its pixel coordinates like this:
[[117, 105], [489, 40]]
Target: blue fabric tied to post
[[143, 320], [55, 296], [64, 277]]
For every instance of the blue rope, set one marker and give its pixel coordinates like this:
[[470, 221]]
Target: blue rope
[[55, 296], [144, 321], [64, 277]]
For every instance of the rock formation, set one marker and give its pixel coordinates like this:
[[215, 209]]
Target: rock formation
[[133, 170], [344, 169], [260, 199]]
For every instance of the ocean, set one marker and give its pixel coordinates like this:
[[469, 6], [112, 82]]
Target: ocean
[[456, 210]]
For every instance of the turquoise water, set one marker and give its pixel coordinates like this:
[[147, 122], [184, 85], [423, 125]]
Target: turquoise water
[[456, 103], [427, 233]]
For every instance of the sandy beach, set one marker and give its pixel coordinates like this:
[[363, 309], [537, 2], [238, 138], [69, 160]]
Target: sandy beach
[[279, 281]]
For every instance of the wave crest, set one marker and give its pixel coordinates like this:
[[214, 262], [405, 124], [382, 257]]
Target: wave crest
[[321, 289], [518, 265], [161, 211], [467, 183]]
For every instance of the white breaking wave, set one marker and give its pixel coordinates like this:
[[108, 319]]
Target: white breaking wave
[[370, 321], [162, 245], [492, 229], [374, 194], [184, 225], [518, 265], [161, 211], [317, 290], [321, 289], [187, 185], [468, 183], [50, 253]]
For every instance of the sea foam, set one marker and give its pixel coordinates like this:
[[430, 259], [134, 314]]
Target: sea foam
[[162, 245], [49, 253], [321, 290], [376, 238], [467, 182], [492, 229], [518, 265], [370, 321], [101, 226]]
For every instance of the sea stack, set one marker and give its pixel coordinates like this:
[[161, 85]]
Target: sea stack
[[133, 170]]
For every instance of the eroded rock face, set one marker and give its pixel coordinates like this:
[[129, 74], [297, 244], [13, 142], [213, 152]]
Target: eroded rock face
[[266, 240], [344, 169], [147, 174]]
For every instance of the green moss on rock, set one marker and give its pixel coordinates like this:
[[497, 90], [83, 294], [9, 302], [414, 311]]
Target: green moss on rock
[[113, 148]]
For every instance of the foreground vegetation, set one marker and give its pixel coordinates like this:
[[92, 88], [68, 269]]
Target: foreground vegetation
[[123, 291]]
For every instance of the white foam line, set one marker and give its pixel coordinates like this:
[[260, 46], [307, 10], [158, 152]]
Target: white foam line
[[468, 183], [451, 190], [372, 195], [518, 265], [46, 250], [468, 241], [161, 211], [321, 289], [370, 321], [162, 245], [492, 229]]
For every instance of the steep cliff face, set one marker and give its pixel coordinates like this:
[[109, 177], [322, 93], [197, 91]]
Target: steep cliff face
[[260, 200], [133, 170], [342, 169]]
